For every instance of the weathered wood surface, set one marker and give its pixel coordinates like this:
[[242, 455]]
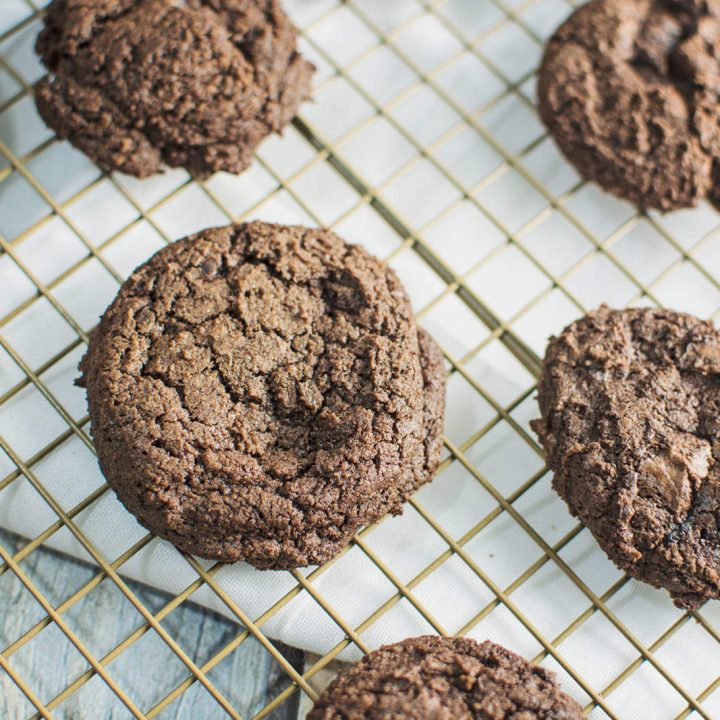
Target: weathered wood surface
[[146, 671]]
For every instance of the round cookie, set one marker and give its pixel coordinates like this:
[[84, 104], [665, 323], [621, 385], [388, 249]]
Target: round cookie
[[136, 84], [444, 679], [259, 392], [631, 93], [630, 404]]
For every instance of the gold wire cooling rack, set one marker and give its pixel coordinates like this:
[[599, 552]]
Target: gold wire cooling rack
[[562, 279]]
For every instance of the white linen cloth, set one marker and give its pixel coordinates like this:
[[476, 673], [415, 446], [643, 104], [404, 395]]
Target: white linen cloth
[[508, 281]]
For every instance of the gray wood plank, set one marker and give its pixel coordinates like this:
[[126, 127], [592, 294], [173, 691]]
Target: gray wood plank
[[147, 671]]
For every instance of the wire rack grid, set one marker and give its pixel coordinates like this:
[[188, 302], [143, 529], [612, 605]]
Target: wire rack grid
[[439, 164]]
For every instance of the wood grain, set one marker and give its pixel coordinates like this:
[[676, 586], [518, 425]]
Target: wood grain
[[147, 671]]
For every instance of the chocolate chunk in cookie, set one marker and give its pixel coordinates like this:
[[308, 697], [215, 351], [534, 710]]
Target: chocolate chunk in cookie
[[259, 392], [631, 93], [630, 404], [445, 679], [136, 84]]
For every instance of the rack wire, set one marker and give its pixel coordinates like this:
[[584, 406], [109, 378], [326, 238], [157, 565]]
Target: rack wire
[[517, 325]]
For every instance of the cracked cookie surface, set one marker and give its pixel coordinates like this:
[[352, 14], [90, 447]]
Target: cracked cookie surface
[[631, 93], [445, 679], [258, 392], [136, 84], [630, 404]]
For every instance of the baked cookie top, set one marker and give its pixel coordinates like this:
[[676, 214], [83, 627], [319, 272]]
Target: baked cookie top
[[630, 404], [631, 93], [444, 679], [136, 84], [258, 392]]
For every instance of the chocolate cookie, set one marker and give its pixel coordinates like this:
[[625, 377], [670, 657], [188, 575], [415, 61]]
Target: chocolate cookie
[[630, 404], [198, 84], [445, 679], [631, 93], [259, 392]]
